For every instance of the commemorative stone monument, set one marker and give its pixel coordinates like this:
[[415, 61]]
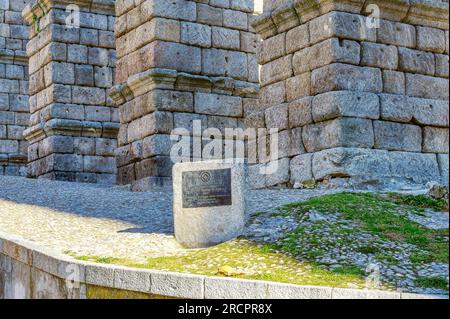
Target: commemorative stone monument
[[209, 202]]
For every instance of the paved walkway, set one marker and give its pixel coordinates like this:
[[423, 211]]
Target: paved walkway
[[95, 220]]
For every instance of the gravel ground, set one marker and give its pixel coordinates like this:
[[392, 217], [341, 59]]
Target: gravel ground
[[333, 241], [431, 219], [95, 220]]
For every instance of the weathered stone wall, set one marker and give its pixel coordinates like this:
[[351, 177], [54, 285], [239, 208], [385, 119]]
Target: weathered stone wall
[[73, 124], [352, 100], [179, 61], [14, 112]]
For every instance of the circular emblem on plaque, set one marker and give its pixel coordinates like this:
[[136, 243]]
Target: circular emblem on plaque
[[205, 177]]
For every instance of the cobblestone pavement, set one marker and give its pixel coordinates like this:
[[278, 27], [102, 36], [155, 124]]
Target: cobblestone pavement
[[95, 220], [331, 240]]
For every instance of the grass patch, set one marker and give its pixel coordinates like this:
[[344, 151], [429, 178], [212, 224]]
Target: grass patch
[[418, 201], [432, 282], [386, 257], [100, 260], [251, 261], [380, 215], [349, 270], [258, 214], [367, 250], [291, 261]]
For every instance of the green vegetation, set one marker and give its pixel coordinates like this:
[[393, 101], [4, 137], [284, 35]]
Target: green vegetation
[[387, 258], [96, 292], [36, 19], [100, 260], [368, 250], [384, 216], [349, 270], [432, 282], [251, 261], [419, 201], [293, 259]]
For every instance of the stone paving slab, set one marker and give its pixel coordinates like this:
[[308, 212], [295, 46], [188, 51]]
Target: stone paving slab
[[96, 220]]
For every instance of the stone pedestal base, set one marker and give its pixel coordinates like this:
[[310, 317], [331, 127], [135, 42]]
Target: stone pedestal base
[[205, 226]]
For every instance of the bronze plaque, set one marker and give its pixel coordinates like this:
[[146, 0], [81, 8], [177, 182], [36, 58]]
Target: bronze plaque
[[207, 188]]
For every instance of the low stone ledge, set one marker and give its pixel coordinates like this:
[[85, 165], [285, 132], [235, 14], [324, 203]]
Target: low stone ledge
[[166, 79], [393, 10], [265, 26], [308, 10], [230, 288], [71, 127], [177, 285], [289, 291], [375, 165], [161, 283], [132, 279], [12, 167], [406, 295], [429, 13], [285, 17], [38, 8], [17, 57], [34, 133], [100, 276], [14, 158]]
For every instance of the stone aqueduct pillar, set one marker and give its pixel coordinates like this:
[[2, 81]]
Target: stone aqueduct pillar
[[14, 111], [352, 98], [179, 61], [73, 126], [358, 99]]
